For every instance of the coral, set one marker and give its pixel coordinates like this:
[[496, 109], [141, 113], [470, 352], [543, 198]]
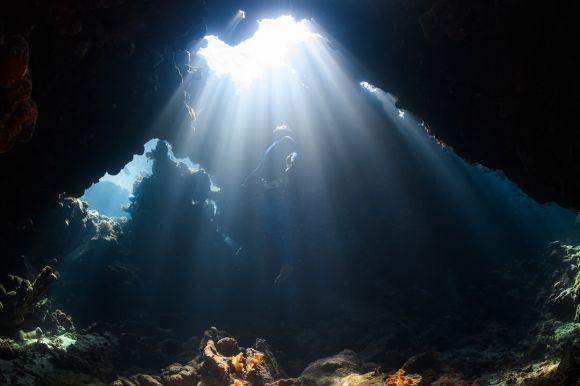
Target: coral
[[178, 374], [214, 365], [238, 363], [256, 365], [20, 298], [399, 378], [243, 370], [255, 359], [237, 382]]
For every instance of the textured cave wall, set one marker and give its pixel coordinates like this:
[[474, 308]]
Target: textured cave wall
[[101, 71], [491, 79], [488, 78]]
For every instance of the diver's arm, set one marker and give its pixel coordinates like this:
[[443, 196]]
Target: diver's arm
[[291, 161]]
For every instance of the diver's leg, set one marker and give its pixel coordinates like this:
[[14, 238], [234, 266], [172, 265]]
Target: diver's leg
[[286, 255], [287, 226]]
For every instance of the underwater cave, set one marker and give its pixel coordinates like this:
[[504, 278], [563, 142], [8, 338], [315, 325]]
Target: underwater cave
[[289, 192]]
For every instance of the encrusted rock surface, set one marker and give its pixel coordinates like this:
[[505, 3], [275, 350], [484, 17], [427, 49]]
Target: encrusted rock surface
[[18, 110], [564, 300], [19, 297]]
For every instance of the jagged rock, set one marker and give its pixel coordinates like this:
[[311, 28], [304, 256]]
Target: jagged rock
[[564, 298], [22, 297], [214, 365], [427, 362], [452, 379], [13, 60], [331, 370], [62, 321], [385, 350], [17, 111], [537, 374], [170, 347], [227, 346], [122, 381], [271, 367], [366, 379], [148, 380], [256, 365], [59, 360], [180, 375], [214, 334], [7, 351], [568, 372]]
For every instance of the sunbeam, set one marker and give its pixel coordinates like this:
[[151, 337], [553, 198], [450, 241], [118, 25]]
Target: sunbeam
[[285, 192], [268, 49], [289, 73]]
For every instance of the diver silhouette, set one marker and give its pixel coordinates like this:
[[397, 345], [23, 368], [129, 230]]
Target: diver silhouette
[[275, 173]]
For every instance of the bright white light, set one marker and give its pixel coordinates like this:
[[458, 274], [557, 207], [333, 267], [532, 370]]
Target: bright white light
[[268, 49], [367, 86], [242, 14], [401, 114]]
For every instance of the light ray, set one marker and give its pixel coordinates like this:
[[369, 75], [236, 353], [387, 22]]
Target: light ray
[[267, 50], [354, 142]]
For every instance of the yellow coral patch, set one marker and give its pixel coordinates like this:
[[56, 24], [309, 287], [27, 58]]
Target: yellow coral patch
[[237, 363], [237, 382], [257, 358], [400, 379]]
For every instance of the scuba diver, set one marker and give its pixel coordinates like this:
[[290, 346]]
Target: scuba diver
[[275, 174]]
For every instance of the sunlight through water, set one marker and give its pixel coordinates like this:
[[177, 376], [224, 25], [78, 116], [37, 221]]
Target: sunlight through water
[[268, 49], [360, 154]]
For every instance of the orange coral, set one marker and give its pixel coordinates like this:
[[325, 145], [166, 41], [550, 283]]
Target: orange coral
[[237, 382], [256, 358], [399, 378], [237, 363]]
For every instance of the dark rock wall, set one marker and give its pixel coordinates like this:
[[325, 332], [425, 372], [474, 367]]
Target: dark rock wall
[[100, 70], [490, 79]]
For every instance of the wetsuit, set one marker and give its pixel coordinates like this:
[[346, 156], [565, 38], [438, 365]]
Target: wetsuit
[[276, 171]]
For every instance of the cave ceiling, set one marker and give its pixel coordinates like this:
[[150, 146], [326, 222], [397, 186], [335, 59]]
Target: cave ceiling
[[81, 83]]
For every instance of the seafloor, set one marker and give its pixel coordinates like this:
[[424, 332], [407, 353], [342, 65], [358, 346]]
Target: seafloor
[[396, 348]]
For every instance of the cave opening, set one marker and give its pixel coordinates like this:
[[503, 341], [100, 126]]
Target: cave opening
[[111, 195], [284, 195]]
